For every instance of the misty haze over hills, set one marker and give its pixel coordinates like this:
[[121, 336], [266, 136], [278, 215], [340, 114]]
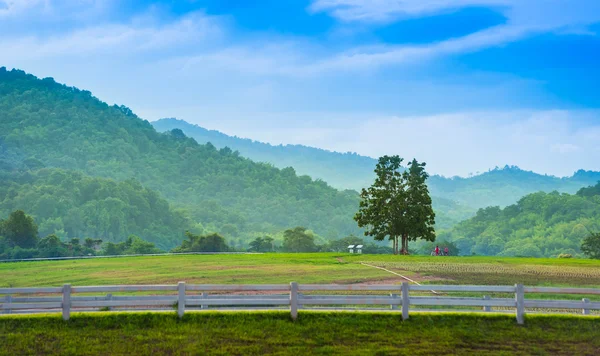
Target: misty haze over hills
[[497, 187]]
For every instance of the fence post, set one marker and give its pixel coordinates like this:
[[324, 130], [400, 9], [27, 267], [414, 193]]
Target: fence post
[[405, 300], [109, 298], [394, 306], [294, 300], [520, 301], [204, 296], [585, 311], [487, 308], [181, 299], [8, 301], [66, 302]]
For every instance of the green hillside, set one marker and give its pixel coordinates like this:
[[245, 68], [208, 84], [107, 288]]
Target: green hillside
[[71, 205], [500, 186], [43, 123], [540, 224], [342, 170]]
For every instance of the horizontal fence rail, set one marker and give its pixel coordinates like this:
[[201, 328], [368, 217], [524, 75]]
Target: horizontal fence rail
[[293, 296]]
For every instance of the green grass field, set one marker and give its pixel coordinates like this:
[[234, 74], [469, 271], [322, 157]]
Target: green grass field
[[302, 268], [313, 333]]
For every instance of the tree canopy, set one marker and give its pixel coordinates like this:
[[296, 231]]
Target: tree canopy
[[70, 204], [20, 229], [397, 205], [299, 239], [203, 243], [591, 245]]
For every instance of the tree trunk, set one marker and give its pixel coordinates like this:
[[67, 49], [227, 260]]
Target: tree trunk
[[404, 250], [395, 248]]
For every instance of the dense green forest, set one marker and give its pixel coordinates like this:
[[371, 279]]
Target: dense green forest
[[46, 124], [540, 224], [20, 239], [454, 198], [72, 205]]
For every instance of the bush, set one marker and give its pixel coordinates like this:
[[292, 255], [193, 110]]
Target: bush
[[591, 246], [565, 255]]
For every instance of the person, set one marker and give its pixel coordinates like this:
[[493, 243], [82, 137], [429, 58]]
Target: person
[[446, 251], [437, 250]]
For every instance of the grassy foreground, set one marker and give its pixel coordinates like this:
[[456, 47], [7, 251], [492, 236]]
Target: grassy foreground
[[302, 268], [313, 333]]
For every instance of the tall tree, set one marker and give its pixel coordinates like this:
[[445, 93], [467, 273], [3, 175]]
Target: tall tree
[[298, 239], [202, 243], [21, 229], [397, 205], [591, 246], [420, 212]]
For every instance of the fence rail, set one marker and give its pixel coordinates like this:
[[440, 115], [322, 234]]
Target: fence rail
[[293, 296]]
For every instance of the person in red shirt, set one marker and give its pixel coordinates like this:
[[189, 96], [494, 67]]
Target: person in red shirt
[[446, 251], [437, 250]]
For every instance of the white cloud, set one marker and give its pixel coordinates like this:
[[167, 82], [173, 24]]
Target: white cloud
[[525, 18], [16, 7], [52, 10], [108, 39]]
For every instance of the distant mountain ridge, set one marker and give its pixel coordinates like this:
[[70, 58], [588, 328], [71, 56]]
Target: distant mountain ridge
[[497, 187], [318, 163]]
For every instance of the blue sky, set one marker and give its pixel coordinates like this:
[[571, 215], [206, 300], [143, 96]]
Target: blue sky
[[464, 85]]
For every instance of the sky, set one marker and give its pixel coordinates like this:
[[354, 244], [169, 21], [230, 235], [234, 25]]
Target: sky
[[464, 85]]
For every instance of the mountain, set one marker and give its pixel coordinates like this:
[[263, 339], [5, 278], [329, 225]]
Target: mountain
[[497, 187], [504, 186], [539, 225], [46, 124]]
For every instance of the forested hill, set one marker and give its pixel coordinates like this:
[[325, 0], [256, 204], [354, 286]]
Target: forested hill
[[46, 124], [342, 170], [70, 204], [540, 224], [498, 187]]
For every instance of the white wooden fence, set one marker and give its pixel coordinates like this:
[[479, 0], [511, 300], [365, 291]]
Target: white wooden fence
[[291, 296]]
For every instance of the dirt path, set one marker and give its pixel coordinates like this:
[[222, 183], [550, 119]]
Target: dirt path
[[397, 274]]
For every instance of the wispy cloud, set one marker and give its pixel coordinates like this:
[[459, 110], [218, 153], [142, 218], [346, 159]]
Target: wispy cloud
[[389, 10], [524, 18], [125, 39]]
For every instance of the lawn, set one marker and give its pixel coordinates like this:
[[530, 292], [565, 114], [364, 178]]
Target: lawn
[[313, 333], [302, 268]]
